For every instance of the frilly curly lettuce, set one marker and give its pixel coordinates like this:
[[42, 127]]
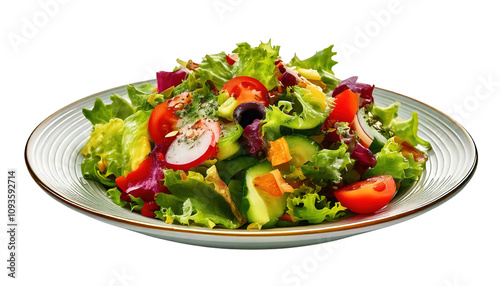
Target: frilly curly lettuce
[[256, 62], [392, 162], [116, 148], [405, 129], [328, 166], [102, 114], [309, 117], [307, 205], [323, 63]]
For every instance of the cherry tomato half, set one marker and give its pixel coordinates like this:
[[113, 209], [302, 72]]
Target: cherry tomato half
[[163, 119], [246, 89], [367, 196], [161, 122]]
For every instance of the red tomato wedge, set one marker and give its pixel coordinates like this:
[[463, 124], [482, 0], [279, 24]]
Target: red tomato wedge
[[163, 119], [367, 196], [193, 145], [246, 89], [346, 107], [161, 122]]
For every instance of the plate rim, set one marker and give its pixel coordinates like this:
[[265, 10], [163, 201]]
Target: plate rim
[[243, 232]]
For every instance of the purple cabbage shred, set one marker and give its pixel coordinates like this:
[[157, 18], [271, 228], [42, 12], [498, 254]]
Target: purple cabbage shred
[[251, 139], [364, 90], [147, 188], [363, 156], [165, 79]]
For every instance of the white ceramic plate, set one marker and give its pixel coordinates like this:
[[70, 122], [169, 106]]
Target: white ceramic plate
[[53, 158]]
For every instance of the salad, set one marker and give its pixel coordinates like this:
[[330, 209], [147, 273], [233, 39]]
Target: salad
[[247, 140]]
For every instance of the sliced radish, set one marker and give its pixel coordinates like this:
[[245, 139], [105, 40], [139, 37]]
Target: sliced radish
[[365, 132], [214, 127], [193, 145], [186, 153], [232, 58], [364, 139]]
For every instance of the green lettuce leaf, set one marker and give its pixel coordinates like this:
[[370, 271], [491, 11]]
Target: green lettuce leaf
[[116, 148], [90, 170], [214, 68], [272, 51], [328, 78], [257, 62], [104, 143], [201, 204], [236, 190], [322, 62], [391, 162], [404, 129], [189, 84], [139, 96], [115, 196], [155, 99], [308, 115], [102, 114], [309, 206], [328, 166], [228, 168], [408, 129], [135, 140], [386, 114], [183, 212], [135, 204]]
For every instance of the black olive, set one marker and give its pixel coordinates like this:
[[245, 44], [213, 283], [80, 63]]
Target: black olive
[[247, 112]]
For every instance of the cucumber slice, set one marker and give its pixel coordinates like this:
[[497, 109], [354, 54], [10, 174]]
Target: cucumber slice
[[307, 132], [302, 149], [369, 130], [258, 205], [228, 144], [376, 145]]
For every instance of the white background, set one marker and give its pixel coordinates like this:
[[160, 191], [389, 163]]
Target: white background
[[445, 54]]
